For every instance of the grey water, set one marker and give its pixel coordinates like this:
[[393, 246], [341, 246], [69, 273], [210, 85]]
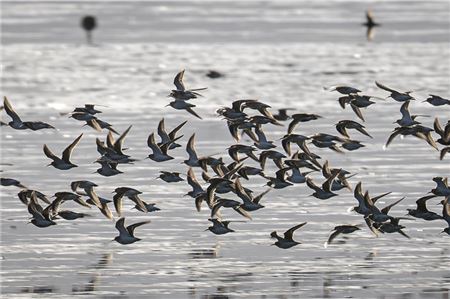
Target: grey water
[[280, 52]]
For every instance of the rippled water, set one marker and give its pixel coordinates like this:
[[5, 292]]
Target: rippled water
[[177, 258]]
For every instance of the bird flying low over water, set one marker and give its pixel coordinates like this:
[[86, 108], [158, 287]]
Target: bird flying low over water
[[126, 235], [17, 122], [64, 162], [287, 241], [181, 93]]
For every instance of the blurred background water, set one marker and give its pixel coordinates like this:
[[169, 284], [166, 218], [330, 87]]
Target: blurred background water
[[280, 52]]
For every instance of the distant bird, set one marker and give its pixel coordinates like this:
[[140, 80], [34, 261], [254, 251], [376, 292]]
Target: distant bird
[[341, 229], [343, 89], [396, 95], [169, 137], [89, 23], [64, 162], [181, 93], [287, 241], [17, 122], [437, 100], [41, 217], [170, 177], [183, 105], [214, 74], [370, 24], [126, 235], [301, 117], [159, 154], [132, 194]]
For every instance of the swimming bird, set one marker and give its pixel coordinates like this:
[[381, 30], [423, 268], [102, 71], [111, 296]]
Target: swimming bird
[[64, 162], [437, 100], [126, 235], [340, 229], [343, 125], [17, 122], [219, 227], [396, 95], [421, 211], [89, 23], [181, 93], [287, 241]]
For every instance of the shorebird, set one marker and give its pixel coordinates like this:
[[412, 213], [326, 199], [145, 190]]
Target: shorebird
[[126, 235], [437, 100], [370, 24], [88, 188], [171, 137], [219, 227], [407, 119], [192, 181], [282, 114], [396, 95], [159, 153], [442, 188], [88, 108], [17, 122], [444, 151], [301, 117], [11, 182], [342, 89], [343, 125], [41, 217], [392, 226], [446, 214], [108, 167], [149, 207], [421, 211], [287, 241], [182, 105], [418, 131], [181, 93], [25, 194], [341, 229], [444, 134], [132, 194], [323, 192], [89, 23], [170, 177], [64, 162]]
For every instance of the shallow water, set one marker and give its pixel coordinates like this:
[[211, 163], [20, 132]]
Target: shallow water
[[177, 258]]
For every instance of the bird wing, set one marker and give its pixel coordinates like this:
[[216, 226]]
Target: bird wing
[[190, 148], [120, 226], [68, 151], [257, 199], [178, 81], [386, 209], [357, 111], [49, 153], [10, 111], [392, 136], [117, 198], [135, 198], [189, 109], [177, 128], [404, 110], [292, 125], [382, 86], [119, 142], [422, 202], [340, 127], [152, 144], [192, 181], [132, 227], [333, 235], [446, 210], [290, 232], [162, 132], [106, 211]]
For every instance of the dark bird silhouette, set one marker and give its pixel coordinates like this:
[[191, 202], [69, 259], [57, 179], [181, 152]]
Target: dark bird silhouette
[[89, 23], [370, 24]]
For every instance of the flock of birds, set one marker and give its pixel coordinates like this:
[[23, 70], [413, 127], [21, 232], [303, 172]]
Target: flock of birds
[[249, 117]]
